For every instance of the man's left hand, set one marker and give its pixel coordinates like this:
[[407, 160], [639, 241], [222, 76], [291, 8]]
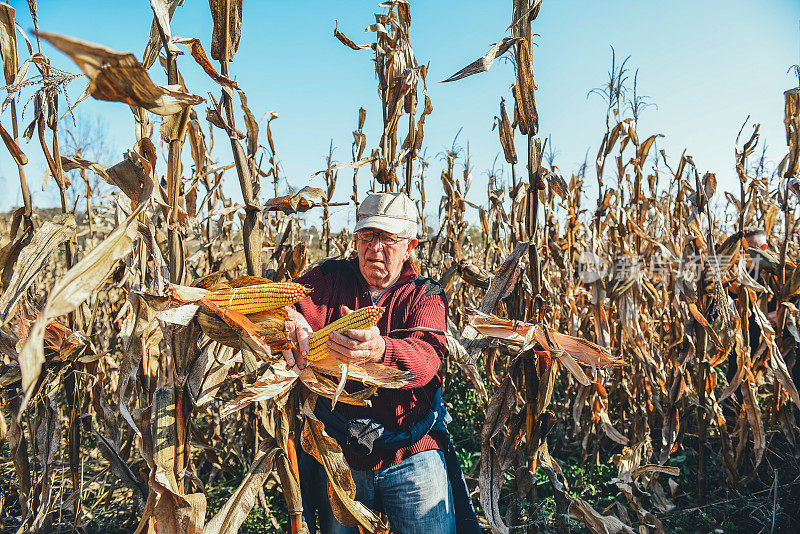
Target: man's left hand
[[357, 345]]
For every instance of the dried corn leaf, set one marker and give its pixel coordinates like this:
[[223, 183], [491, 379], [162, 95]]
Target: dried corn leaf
[[490, 479], [341, 488], [227, 16], [165, 439], [274, 383], [631, 459], [792, 122], [199, 55], [644, 149], [110, 452], [700, 318], [506, 134], [321, 385], [776, 360], [526, 334], [457, 352], [342, 165], [252, 125], [233, 513], [529, 14], [595, 521], [20, 235], [557, 184], [742, 361], [259, 340], [191, 518], [371, 374], [18, 453], [48, 439], [162, 14], [564, 359], [300, 202], [654, 468], [484, 63], [154, 43], [31, 261], [61, 343], [753, 413], [70, 291], [119, 77], [19, 157], [526, 115], [609, 429], [209, 372], [585, 351], [669, 433], [504, 279], [8, 42], [347, 42]]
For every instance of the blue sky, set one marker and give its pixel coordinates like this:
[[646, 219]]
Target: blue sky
[[706, 64]]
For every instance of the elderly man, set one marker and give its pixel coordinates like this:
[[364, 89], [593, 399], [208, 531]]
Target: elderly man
[[409, 483]]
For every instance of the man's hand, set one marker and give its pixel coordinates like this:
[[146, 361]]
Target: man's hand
[[298, 332], [356, 345]]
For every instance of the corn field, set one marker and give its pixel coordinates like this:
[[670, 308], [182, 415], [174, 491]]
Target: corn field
[[648, 339]]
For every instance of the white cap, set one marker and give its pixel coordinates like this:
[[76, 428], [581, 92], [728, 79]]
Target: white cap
[[391, 212]]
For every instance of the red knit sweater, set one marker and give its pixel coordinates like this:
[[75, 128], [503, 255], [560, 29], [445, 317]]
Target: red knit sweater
[[412, 301]]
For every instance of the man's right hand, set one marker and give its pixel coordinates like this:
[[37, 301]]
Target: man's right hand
[[298, 331]]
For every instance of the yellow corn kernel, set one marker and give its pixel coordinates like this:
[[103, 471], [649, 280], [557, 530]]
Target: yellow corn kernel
[[259, 297], [362, 318]]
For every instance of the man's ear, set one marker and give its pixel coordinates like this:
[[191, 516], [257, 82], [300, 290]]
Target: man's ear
[[412, 244]]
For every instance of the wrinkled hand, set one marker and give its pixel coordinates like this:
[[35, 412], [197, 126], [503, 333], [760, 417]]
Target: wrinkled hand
[[357, 345], [298, 331]]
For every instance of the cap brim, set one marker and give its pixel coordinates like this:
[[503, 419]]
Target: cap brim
[[387, 224]]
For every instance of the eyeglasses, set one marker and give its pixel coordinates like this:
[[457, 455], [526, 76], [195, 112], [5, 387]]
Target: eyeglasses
[[367, 236]]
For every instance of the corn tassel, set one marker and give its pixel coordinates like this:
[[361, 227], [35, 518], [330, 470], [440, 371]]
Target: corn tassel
[[257, 298], [363, 318]]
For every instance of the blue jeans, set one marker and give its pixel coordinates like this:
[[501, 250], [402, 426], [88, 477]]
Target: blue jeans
[[415, 494]]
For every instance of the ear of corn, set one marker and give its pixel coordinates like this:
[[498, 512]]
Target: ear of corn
[[362, 318], [258, 297]]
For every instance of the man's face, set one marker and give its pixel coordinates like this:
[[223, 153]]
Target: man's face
[[381, 257]]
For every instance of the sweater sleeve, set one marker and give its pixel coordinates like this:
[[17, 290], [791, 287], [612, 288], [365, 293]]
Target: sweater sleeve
[[420, 353]]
